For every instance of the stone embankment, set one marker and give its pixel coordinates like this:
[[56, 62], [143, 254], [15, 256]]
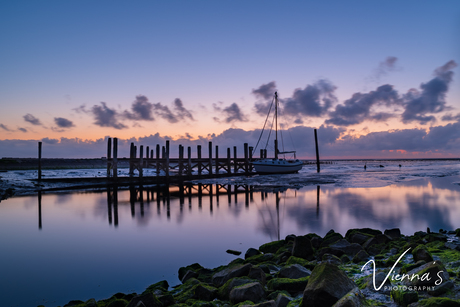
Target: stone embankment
[[312, 271]]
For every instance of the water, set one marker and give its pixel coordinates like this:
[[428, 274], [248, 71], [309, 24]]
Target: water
[[65, 246]]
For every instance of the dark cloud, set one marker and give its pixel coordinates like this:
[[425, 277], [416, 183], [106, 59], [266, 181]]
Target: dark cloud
[[450, 117], [266, 93], [22, 129], [358, 108], [81, 109], [431, 98], [165, 113], [231, 113], [384, 68], [32, 119], [63, 122], [106, 117], [50, 141], [4, 127], [141, 108], [181, 111]]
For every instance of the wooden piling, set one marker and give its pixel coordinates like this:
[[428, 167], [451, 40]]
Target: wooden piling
[[210, 159], [189, 162], [229, 163], [261, 153], [141, 161], [109, 156], [181, 158], [235, 162], [115, 158], [198, 150], [317, 153], [39, 161], [217, 159], [167, 160], [158, 160], [246, 159]]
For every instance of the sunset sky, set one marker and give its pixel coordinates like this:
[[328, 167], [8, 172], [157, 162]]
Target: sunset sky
[[379, 79]]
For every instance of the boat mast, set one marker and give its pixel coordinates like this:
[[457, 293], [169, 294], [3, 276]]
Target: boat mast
[[276, 125]]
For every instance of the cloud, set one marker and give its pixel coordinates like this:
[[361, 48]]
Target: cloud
[[165, 113], [358, 108], [388, 65], [141, 108], [4, 127], [81, 109], [22, 129], [32, 119], [63, 122], [314, 100], [266, 93], [181, 111], [106, 117], [431, 98], [231, 113], [450, 117], [50, 141]]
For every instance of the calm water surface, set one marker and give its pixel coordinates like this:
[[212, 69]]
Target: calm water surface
[[60, 247]]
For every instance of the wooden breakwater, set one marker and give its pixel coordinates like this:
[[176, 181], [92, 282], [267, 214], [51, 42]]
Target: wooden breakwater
[[185, 166]]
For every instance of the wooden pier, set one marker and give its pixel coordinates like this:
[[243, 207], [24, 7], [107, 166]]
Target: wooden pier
[[184, 167]]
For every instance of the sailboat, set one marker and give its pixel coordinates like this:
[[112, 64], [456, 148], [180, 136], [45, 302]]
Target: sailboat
[[276, 165]]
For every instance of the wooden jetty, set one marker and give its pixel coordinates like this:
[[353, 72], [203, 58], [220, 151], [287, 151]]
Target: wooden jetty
[[185, 167]]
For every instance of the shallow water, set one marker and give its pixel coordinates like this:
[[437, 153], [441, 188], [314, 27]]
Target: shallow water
[[60, 247]]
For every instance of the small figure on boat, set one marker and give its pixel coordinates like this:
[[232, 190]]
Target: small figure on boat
[[381, 165], [365, 166], [399, 165]]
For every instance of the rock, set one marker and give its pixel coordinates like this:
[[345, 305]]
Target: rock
[[233, 252], [91, 303], [302, 248], [421, 253], [257, 273], [378, 239], [260, 258], [404, 298], [293, 286], [294, 271], [354, 298], [329, 250], [124, 303], [457, 232], [360, 257], [394, 233], [436, 302], [272, 247], [166, 300], [366, 231], [183, 270], [316, 242], [253, 292], [223, 276], [251, 252], [359, 238], [224, 291], [331, 259], [290, 237], [148, 299], [379, 279], [282, 300], [270, 303], [452, 245], [74, 303], [188, 275], [327, 284], [205, 293], [442, 288], [347, 248], [331, 238], [426, 275]]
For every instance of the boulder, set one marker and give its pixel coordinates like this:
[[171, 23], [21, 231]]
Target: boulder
[[148, 300], [354, 298], [293, 286], [316, 242], [223, 276], [282, 300], [294, 271], [253, 292], [302, 248], [404, 298], [427, 275], [331, 259], [436, 302], [251, 252], [379, 279], [205, 292], [327, 284], [359, 238], [257, 273], [421, 253], [183, 270], [270, 303], [272, 247], [348, 249], [442, 288], [394, 233], [366, 231], [224, 291], [188, 275], [331, 238], [360, 257]]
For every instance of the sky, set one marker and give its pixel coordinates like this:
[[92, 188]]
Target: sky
[[377, 79]]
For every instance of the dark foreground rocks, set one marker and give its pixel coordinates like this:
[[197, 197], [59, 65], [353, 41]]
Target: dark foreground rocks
[[366, 267]]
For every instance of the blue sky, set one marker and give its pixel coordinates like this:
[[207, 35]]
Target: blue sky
[[61, 59]]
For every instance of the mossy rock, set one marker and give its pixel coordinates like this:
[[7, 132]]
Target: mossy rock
[[303, 262], [224, 291], [185, 291], [244, 303], [262, 258], [292, 286], [422, 253], [331, 238], [366, 231], [162, 286], [118, 303], [404, 298], [75, 303], [274, 294], [193, 267], [439, 302], [272, 247]]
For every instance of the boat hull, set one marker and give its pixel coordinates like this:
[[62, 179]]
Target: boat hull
[[277, 166]]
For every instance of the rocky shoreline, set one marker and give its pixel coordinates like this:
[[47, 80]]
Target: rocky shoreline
[[422, 269]]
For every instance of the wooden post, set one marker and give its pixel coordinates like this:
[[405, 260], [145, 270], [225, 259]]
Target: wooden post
[[131, 161], [250, 152], [217, 159], [157, 166], [246, 159], [167, 160], [189, 162], [147, 151], [210, 158], [261, 153], [229, 163], [198, 149], [181, 157], [265, 153], [39, 161], [276, 149], [109, 156], [317, 153], [141, 161], [235, 162], [115, 158]]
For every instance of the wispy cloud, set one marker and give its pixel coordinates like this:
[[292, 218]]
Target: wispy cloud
[[141, 109], [4, 127], [232, 113], [106, 117], [63, 122], [32, 119]]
